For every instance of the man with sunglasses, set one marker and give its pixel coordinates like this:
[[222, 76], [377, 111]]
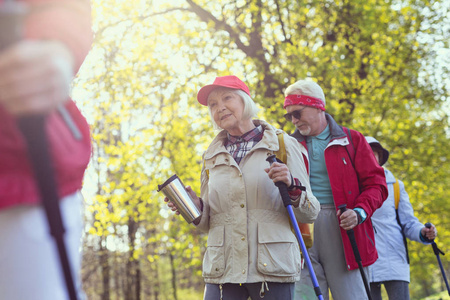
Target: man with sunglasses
[[342, 170]]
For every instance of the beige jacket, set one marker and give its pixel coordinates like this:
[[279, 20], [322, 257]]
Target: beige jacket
[[250, 239]]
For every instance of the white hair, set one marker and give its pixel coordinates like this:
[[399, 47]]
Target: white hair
[[250, 108], [305, 87]]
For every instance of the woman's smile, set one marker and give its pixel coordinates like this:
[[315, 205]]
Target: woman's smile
[[225, 116]]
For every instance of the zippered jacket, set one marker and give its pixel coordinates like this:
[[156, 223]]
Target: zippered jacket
[[67, 21], [249, 235], [392, 263], [355, 181]]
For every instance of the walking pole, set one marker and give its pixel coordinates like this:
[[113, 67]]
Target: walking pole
[[33, 130], [351, 237], [288, 204], [437, 251]]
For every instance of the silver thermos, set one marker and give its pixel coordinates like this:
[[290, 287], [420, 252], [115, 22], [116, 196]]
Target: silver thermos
[[176, 192]]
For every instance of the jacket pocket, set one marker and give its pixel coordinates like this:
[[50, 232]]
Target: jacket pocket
[[214, 261], [278, 250]]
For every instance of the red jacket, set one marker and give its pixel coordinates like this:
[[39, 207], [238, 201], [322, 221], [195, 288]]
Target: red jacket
[[363, 185], [69, 22]]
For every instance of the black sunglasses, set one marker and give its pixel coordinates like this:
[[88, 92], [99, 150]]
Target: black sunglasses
[[296, 114]]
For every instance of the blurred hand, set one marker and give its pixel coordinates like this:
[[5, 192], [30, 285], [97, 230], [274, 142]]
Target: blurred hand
[[279, 172], [35, 76], [348, 219], [429, 233]]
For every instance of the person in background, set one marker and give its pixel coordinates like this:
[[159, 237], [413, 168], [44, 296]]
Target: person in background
[[251, 250], [392, 267], [35, 78], [342, 171]]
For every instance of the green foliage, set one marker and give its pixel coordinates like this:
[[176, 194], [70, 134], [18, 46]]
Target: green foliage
[[439, 296], [373, 58]]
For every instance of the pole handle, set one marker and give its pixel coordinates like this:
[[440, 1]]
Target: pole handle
[[342, 208], [281, 185], [436, 250], [351, 236], [428, 225]]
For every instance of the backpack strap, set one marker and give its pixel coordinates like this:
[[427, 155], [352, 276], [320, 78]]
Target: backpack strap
[[397, 200], [396, 193], [281, 153], [206, 170]]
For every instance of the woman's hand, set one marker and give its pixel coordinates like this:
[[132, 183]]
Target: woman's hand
[[35, 76], [279, 172], [174, 208]]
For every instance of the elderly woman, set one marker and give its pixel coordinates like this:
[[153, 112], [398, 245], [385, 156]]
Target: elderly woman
[[251, 250]]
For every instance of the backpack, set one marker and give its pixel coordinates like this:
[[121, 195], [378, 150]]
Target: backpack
[[397, 200], [305, 228]]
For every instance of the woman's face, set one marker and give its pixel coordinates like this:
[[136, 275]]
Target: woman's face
[[227, 110]]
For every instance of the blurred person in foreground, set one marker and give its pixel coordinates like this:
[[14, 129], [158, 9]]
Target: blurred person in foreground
[[35, 78], [342, 170], [251, 250], [392, 267]]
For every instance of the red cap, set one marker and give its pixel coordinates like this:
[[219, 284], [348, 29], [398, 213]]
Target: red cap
[[229, 81]]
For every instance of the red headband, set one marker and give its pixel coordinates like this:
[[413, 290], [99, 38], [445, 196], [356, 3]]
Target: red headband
[[304, 100]]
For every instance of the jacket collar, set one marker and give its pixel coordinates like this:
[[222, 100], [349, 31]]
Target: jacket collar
[[248, 136], [269, 140]]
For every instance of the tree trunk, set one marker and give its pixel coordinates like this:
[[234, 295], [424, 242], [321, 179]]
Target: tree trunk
[[129, 280], [156, 286], [138, 281], [130, 266], [104, 264], [174, 278]]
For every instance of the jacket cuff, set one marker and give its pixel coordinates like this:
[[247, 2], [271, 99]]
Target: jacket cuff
[[296, 188], [201, 204], [361, 213]]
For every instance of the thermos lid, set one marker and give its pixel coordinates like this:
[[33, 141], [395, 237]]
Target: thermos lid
[[172, 178]]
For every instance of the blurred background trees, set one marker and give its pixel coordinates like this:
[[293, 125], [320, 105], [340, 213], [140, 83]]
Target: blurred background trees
[[383, 65]]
